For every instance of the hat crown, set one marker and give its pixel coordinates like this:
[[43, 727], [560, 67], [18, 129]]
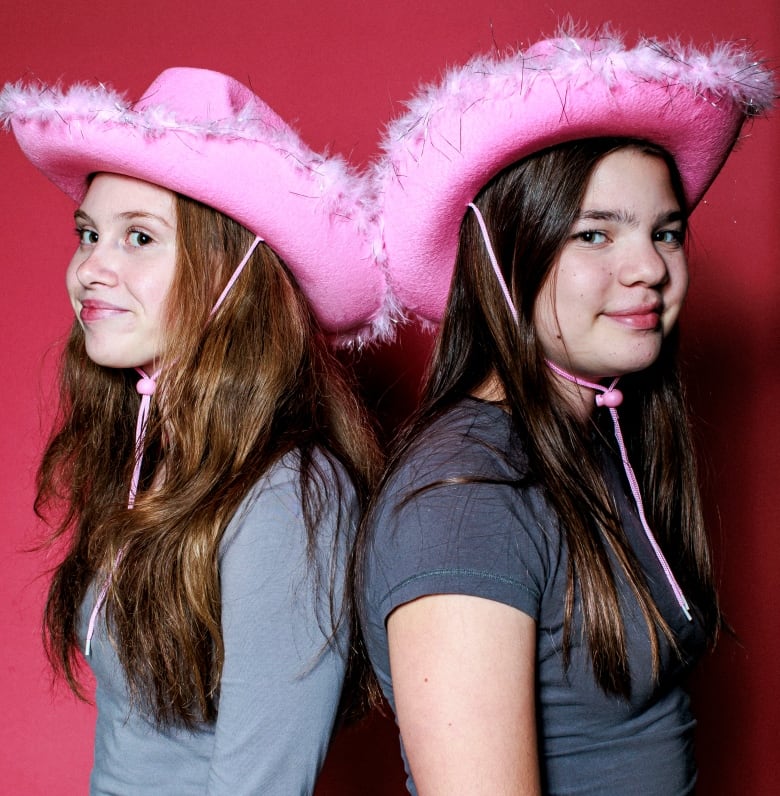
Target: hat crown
[[202, 97]]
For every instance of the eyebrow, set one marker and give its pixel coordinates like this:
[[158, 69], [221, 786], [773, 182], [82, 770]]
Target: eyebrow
[[128, 215], [630, 219]]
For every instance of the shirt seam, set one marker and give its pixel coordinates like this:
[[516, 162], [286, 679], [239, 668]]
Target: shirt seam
[[457, 571]]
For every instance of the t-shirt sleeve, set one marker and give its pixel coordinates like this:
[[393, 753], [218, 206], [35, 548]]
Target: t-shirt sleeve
[[281, 680], [454, 521]]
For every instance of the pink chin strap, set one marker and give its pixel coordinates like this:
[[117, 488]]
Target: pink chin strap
[[608, 397], [611, 398], [146, 387]]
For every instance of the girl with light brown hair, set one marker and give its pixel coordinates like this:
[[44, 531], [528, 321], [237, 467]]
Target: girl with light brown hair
[[216, 259]]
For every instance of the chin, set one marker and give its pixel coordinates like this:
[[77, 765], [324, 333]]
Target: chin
[[113, 360], [634, 365], [112, 354]]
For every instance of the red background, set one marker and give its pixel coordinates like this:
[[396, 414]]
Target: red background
[[338, 70]]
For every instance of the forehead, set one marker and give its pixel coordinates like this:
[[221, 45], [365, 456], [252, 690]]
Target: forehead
[[115, 194], [630, 178]]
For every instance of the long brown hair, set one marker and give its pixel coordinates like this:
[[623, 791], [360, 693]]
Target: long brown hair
[[529, 210], [236, 392]]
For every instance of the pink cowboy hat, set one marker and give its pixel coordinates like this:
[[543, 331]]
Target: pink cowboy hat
[[481, 118], [205, 135]]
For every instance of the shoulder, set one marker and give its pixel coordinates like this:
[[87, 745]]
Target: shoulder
[[273, 513], [286, 474], [472, 438], [285, 480], [456, 516]]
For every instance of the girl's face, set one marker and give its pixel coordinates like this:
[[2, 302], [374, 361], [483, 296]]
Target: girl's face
[[120, 275], [619, 283]]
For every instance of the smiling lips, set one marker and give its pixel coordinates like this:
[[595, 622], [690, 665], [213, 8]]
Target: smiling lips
[[642, 318], [92, 310]]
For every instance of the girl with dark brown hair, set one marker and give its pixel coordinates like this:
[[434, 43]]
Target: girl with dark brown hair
[[536, 576]]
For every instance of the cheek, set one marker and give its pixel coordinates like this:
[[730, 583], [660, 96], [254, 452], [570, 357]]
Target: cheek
[[544, 307], [545, 319], [155, 290], [676, 292], [575, 296], [678, 282], [71, 279]]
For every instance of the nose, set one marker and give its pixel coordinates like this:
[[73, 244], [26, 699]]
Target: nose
[[644, 264], [94, 268]]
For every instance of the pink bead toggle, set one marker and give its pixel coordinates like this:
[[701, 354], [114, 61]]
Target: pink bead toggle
[[611, 399], [146, 386]]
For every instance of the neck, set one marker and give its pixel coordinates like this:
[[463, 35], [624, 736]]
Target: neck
[[582, 394], [578, 397]]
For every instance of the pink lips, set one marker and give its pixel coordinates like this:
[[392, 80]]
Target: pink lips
[[93, 310], [642, 318]]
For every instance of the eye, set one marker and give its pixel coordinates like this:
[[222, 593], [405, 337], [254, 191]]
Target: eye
[[87, 237], [670, 237], [138, 238], [590, 236]]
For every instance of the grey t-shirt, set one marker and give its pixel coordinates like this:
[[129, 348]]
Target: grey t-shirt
[[503, 542], [280, 683]]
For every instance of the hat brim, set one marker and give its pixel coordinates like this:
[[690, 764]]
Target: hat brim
[[309, 208]]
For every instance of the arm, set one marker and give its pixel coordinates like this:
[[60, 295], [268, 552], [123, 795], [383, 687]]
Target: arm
[[463, 672], [280, 684]]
